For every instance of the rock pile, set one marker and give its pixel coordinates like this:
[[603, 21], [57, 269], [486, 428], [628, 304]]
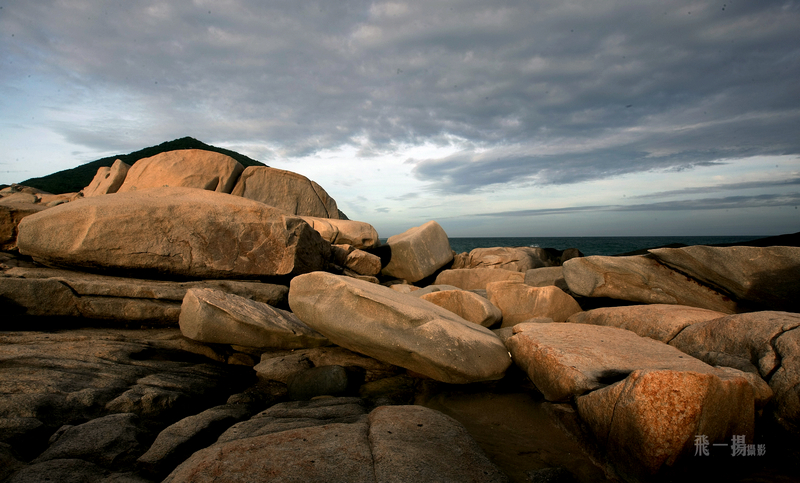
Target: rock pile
[[283, 342]]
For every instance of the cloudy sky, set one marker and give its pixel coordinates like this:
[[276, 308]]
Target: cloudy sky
[[501, 118]]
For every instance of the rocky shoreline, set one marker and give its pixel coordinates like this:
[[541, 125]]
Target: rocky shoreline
[[187, 319]]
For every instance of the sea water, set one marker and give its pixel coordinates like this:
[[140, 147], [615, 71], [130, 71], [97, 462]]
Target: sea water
[[591, 245]]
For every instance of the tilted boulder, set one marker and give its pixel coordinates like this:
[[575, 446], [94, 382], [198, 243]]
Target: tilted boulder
[[661, 322], [214, 317], [107, 180], [175, 231], [285, 190], [640, 279], [545, 276], [765, 277], [418, 252], [345, 232], [467, 305], [397, 328], [516, 259], [476, 278], [519, 302], [188, 168], [766, 343]]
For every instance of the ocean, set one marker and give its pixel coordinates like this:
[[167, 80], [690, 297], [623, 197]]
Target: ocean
[[591, 245]]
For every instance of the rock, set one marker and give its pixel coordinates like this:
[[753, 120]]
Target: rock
[[214, 317], [325, 381], [287, 191], [109, 441], [516, 259], [659, 322], [178, 441], [476, 278], [566, 360], [467, 305], [345, 232], [396, 328], [176, 231], [188, 168], [102, 297], [395, 443], [650, 420], [62, 471], [20, 198], [107, 180], [357, 261], [766, 343], [640, 279], [433, 288], [389, 391], [418, 252], [280, 367], [519, 302], [414, 443], [766, 278], [546, 276], [10, 216], [8, 462]]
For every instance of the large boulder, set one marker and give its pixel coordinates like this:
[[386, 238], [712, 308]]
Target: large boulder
[[214, 317], [345, 232], [397, 328], [189, 168], [765, 277], [640, 279], [101, 297], [661, 322], [476, 278], [467, 305], [285, 190], [516, 259], [519, 302], [174, 231], [766, 343], [107, 180], [418, 252]]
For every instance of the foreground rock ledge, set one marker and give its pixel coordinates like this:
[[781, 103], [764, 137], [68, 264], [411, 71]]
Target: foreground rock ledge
[[177, 231], [397, 328]]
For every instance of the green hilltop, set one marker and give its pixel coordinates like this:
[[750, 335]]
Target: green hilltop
[[75, 179]]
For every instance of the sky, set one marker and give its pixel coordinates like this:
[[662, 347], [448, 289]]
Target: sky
[[501, 118]]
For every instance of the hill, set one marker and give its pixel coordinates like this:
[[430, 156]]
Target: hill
[[75, 179]]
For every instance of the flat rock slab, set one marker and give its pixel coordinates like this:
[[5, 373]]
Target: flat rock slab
[[476, 278], [392, 444], [641, 279], [519, 302], [214, 317], [287, 191], [766, 277], [516, 259], [661, 322], [190, 168], [767, 343], [397, 328], [566, 360], [418, 252], [180, 232]]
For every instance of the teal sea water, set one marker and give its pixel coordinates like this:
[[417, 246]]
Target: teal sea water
[[591, 245]]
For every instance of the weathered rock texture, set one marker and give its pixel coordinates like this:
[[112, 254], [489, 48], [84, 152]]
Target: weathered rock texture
[[10, 216], [640, 279], [519, 302], [516, 259], [174, 231], [287, 191], [418, 252], [396, 328], [765, 277], [661, 322], [476, 278], [189, 168], [107, 180], [101, 297], [345, 232], [467, 305], [212, 316], [766, 343]]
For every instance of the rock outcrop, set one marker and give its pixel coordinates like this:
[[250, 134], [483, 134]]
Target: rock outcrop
[[467, 305], [417, 253], [174, 231], [476, 278], [519, 302], [107, 180], [188, 168], [345, 232], [290, 192]]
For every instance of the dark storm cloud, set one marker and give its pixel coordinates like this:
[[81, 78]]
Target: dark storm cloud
[[729, 202], [546, 91]]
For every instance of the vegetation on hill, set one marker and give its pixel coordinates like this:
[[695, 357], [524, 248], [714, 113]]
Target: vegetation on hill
[[75, 179]]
